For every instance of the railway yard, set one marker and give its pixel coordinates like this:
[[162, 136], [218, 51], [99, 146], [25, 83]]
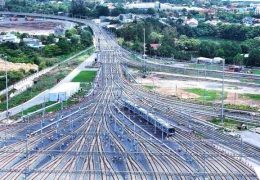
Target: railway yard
[[124, 131]]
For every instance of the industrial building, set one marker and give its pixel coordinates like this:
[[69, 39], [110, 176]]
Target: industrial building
[[64, 91]]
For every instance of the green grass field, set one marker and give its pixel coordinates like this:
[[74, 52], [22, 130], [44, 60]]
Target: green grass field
[[85, 76], [202, 66], [227, 123], [255, 97], [256, 71], [149, 87], [210, 95]]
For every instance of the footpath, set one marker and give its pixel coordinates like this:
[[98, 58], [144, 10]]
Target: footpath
[[39, 99]]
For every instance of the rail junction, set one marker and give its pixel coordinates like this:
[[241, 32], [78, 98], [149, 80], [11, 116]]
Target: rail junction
[[122, 131]]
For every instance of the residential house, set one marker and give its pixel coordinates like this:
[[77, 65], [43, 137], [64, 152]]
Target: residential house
[[257, 10], [126, 18], [191, 22], [59, 31], [213, 22], [247, 21], [34, 43], [103, 18], [155, 46], [9, 38]]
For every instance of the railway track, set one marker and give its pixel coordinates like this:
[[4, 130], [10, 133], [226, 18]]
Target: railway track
[[95, 141]]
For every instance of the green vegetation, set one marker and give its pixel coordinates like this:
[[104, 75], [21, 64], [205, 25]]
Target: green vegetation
[[134, 57], [71, 101], [226, 120], [149, 87], [36, 107], [82, 57], [227, 123], [202, 66], [226, 41], [255, 71], [85, 76], [240, 106], [48, 56], [46, 81], [250, 96], [210, 95]]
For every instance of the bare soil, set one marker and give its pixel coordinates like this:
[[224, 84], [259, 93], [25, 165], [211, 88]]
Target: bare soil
[[32, 28], [16, 66], [168, 85]]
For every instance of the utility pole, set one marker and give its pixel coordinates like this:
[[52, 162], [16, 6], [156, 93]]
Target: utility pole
[[222, 104], [6, 90], [144, 68]]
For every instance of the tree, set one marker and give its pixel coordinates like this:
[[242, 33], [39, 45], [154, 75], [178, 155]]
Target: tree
[[189, 16], [150, 11], [71, 32], [86, 38], [186, 43], [207, 49], [51, 50], [231, 50], [102, 11], [74, 40], [184, 11], [179, 21], [155, 37], [78, 8], [137, 46], [64, 45], [238, 59], [220, 53], [118, 10], [50, 39], [253, 58]]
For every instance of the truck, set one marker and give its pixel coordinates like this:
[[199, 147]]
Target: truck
[[29, 19], [13, 19], [234, 68]]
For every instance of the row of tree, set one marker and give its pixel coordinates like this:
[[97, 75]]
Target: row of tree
[[173, 43], [225, 31]]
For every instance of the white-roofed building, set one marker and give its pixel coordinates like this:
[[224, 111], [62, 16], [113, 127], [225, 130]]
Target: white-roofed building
[[64, 91], [218, 60], [204, 60], [192, 22], [34, 43], [9, 38]]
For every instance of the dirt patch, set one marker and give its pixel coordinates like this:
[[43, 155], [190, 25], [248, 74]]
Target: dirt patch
[[32, 28], [16, 66], [168, 85], [234, 98]]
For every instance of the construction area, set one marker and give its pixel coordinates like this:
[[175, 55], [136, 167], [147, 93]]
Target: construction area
[[36, 27]]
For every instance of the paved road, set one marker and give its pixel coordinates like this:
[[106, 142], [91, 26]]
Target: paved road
[[44, 95]]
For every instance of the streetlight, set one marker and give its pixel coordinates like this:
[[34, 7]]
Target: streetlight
[[6, 80], [144, 42], [222, 105], [6, 89]]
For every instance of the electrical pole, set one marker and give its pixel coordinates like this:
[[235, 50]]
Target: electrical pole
[[6, 90], [222, 104], [144, 68]]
